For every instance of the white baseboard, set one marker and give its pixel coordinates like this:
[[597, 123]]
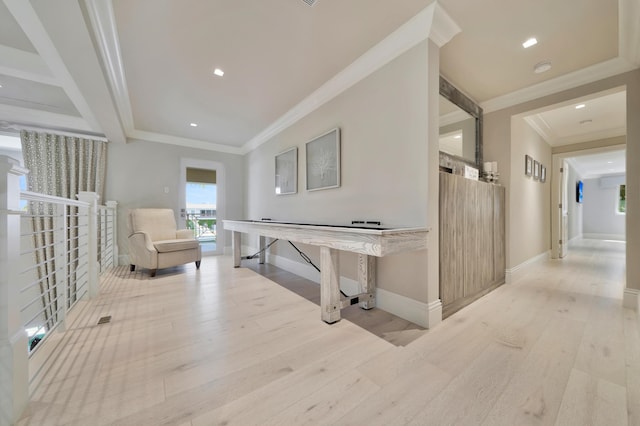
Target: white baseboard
[[123, 259], [631, 299], [510, 273], [406, 308], [614, 237]]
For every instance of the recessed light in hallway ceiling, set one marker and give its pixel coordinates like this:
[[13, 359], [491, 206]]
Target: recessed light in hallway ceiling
[[541, 67], [530, 42], [218, 72], [580, 106], [193, 124]]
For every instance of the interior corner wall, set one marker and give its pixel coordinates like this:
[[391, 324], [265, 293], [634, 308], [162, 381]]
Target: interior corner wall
[[575, 209], [384, 173], [138, 172]]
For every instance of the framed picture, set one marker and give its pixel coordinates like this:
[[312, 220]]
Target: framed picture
[[287, 172], [536, 170], [323, 161], [528, 165], [543, 174]]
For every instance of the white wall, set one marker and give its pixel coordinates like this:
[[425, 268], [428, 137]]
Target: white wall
[[529, 214], [599, 207], [138, 171], [575, 221], [385, 173]]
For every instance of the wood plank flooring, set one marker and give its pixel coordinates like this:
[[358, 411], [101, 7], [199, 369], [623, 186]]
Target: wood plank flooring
[[225, 346]]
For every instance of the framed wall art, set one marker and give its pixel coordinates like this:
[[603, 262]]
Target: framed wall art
[[287, 172], [528, 165], [323, 161], [543, 174], [536, 170]]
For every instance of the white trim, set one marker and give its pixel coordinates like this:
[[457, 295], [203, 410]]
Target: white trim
[[509, 273], [106, 33], [406, 308], [25, 65], [31, 24], [631, 299], [12, 116], [433, 21], [564, 82], [614, 237], [19, 127], [220, 193], [189, 143], [409, 309]]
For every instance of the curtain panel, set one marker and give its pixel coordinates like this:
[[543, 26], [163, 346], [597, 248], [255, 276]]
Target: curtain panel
[[61, 166]]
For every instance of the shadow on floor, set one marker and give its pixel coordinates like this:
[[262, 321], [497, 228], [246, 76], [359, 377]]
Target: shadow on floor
[[387, 326]]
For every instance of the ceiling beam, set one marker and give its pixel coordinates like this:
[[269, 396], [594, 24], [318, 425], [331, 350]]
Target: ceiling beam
[[58, 32], [25, 65]]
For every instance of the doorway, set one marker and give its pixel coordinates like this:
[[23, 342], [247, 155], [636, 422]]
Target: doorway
[[202, 186]]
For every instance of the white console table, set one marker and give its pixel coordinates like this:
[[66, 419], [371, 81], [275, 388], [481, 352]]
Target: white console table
[[366, 240]]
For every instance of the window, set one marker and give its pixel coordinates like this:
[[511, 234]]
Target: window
[[621, 207]]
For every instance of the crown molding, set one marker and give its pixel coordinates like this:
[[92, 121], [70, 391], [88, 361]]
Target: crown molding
[[564, 82], [106, 33], [433, 21], [591, 136], [541, 127], [185, 142], [25, 65]]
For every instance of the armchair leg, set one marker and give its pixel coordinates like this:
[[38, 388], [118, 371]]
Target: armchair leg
[[197, 264], [152, 272], [132, 268]]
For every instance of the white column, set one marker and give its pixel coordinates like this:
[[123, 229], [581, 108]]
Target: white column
[[94, 265], [14, 367], [236, 245], [113, 208]]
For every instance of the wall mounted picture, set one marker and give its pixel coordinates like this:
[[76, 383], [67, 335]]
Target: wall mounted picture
[[528, 165], [287, 172], [536, 170], [543, 174], [579, 193], [323, 161]]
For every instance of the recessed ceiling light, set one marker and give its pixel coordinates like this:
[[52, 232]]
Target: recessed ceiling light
[[218, 72], [580, 106], [193, 124], [531, 42], [457, 137], [609, 162], [586, 122], [541, 67]]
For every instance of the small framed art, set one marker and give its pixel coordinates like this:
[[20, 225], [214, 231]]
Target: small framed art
[[287, 172], [536, 170], [528, 165]]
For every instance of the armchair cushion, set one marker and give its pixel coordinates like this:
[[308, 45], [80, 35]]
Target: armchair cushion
[[175, 245]]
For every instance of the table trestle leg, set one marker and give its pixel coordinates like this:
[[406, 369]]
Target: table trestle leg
[[367, 280], [330, 303]]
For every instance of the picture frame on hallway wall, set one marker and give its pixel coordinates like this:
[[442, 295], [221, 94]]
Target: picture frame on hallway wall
[[323, 161], [543, 174], [536, 170], [528, 165], [287, 172]]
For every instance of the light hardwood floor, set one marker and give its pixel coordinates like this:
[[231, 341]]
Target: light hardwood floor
[[227, 346]]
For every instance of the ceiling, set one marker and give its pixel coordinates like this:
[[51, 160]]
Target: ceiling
[[144, 69], [602, 164]]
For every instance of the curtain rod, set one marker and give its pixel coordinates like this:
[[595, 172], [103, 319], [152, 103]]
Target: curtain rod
[[4, 125]]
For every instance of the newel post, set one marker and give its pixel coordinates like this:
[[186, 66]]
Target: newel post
[[94, 263], [14, 366]]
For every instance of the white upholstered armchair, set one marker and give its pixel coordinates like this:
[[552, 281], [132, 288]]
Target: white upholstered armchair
[[155, 242]]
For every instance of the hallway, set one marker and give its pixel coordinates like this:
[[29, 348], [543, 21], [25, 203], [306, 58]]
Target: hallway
[[226, 346]]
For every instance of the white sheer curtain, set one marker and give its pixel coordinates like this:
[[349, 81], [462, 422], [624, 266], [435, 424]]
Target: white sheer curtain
[[61, 166]]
